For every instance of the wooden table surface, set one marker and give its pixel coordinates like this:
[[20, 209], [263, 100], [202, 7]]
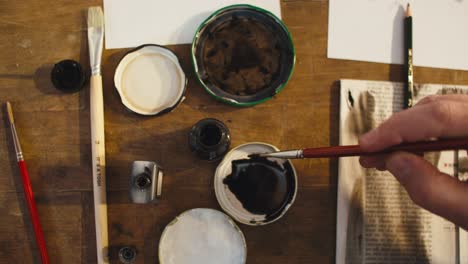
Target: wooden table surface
[[55, 132]]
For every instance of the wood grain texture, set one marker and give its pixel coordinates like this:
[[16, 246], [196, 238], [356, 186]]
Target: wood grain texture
[[55, 133]]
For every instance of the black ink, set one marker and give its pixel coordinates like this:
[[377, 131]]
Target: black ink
[[261, 185], [350, 99]]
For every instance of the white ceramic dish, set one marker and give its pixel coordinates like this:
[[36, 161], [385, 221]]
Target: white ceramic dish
[[150, 80]]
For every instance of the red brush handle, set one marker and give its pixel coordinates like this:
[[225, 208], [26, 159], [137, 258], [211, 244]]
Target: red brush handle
[[416, 147], [28, 193]]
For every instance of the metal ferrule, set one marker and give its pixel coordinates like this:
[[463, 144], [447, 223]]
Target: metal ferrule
[[95, 41], [19, 152], [96, 70], [289, 154]]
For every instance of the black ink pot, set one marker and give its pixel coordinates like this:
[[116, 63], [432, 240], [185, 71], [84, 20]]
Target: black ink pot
[[210, 139]]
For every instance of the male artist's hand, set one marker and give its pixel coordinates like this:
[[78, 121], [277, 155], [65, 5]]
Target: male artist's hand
[[441, 116]]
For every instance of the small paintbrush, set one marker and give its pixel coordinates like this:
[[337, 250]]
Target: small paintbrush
[[28, 192], [356, 150]]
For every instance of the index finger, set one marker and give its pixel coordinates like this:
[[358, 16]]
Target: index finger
[[433, 120], [446, 98]]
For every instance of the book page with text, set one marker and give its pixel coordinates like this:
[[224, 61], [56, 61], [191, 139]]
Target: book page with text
[[376, 220]]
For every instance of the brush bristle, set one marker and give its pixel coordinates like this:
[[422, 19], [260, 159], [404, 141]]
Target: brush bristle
[[95, 17], [10, 113]]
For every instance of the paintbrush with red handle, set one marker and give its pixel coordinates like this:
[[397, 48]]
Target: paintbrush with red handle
[[355, 150], [28, 193]]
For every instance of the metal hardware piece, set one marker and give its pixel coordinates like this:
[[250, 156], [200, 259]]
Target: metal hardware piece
[[127, 255], [145, 182]]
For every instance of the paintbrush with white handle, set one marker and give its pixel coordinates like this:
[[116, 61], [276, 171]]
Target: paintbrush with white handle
[[95, 41]]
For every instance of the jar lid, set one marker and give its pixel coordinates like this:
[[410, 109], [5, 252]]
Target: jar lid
[[202, 235], [150, 80]]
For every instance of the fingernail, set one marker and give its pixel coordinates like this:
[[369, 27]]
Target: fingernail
[[365, 162], [368, 139], [399, 166]]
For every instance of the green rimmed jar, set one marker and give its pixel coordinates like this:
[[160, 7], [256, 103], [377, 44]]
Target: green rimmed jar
[[243, 55]]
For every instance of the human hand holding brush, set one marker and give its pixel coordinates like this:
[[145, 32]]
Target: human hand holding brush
[[443, 116], [396, 146]]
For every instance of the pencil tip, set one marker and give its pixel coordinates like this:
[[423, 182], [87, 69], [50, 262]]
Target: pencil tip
[[408, 10]]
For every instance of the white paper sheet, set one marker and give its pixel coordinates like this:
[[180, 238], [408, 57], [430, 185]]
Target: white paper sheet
[[130, 23], [372, 30]]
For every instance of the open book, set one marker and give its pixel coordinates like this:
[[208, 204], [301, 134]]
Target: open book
[[376, 220]]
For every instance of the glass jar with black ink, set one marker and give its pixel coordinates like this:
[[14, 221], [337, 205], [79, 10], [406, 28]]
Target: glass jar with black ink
[[210, 139]]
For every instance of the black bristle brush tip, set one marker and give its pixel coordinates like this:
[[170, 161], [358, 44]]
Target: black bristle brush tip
[[254, 156]]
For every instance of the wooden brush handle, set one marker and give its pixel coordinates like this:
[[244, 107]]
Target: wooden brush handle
[[99, 168], [416, 147]]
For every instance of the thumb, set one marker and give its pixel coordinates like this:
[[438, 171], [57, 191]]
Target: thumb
[[429, 188]]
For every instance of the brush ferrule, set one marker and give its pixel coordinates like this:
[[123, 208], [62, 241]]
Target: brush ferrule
[[16, 143], [19, 156], [95, 41], [95, 70], [289, 154], [300, 154]]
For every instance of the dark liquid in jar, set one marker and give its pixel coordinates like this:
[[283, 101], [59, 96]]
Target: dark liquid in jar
[[242, 56]]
